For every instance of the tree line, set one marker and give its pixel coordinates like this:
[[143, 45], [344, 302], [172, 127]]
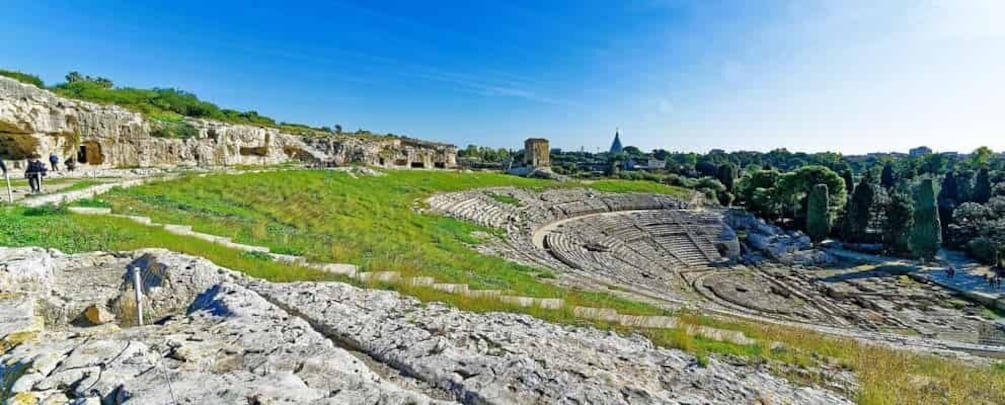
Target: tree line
[[908, 205]]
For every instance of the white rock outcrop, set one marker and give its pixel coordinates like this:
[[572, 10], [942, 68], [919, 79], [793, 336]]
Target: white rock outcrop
[[40, 122], [239, 340]]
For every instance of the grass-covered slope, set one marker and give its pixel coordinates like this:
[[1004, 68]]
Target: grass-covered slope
[[370, 222]]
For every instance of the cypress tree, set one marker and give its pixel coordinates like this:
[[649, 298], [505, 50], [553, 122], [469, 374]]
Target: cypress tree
[[860, 209], [965, 186], [982, 186], [849, 181], [950, 189], [899, 219], [818, 220], [926, 231], [948, 200], [887, 179]]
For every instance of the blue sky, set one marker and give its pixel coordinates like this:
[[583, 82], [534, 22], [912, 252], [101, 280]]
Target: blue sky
[[846, 75]]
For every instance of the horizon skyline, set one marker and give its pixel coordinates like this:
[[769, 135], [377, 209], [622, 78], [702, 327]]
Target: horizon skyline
[[809, 76]]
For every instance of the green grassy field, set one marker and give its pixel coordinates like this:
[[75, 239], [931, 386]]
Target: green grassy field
[[370, 222], [329, 216]]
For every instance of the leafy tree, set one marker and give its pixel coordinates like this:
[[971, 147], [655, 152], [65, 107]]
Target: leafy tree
[[727, 175], [757, 192], [982, 186], [793, 187], [726, 198], [933, 164], [338, 129], [74, 77], [926, 232], [899, 220], [887, 179], [707, 168], [632, 151], [981, 156], [818, 217], [860, 210]]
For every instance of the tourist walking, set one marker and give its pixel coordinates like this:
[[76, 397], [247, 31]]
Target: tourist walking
[[54, 161], [34, 173], [70, 163]]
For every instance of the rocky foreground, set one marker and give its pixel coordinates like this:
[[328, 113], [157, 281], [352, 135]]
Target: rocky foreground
[[69, 335]]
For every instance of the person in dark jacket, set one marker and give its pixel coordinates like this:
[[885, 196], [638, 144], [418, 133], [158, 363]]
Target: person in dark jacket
[[3, 167], [34, 173]]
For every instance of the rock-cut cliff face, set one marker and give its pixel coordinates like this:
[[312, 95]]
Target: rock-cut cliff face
[[34, 121]]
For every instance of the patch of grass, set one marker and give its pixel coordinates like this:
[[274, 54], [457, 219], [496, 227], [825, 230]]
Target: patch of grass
[[885, 375], [92, 203], [505, 199], [23, 77], [256, 256], [80, 185], [992, 313], [74, 233], [45, 210], [641, 186]]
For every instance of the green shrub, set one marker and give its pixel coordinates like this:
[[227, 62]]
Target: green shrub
[[265, 257], [983, 249], [23, 77], [45, 210], [173, 129]]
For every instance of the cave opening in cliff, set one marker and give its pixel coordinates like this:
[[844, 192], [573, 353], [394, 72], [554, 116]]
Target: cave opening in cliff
[[381, 161], [440, 165], [418, 165], [90, 153], [401, 162]]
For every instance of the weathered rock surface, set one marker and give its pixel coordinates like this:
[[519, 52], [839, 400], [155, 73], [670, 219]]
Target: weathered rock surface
[[219, 337], [110, 136], [510, 358], [787, 247]]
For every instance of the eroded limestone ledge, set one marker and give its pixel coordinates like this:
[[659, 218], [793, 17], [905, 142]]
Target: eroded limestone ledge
[[41, 122]]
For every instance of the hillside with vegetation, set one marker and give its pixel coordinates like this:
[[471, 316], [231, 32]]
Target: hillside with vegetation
[[169, 106]]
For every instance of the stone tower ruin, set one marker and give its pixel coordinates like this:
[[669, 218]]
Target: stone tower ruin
[[536, 152]]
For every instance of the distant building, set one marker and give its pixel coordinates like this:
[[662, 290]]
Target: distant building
[[616, 145], [536, 152], [651, 164], [920, 151]]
